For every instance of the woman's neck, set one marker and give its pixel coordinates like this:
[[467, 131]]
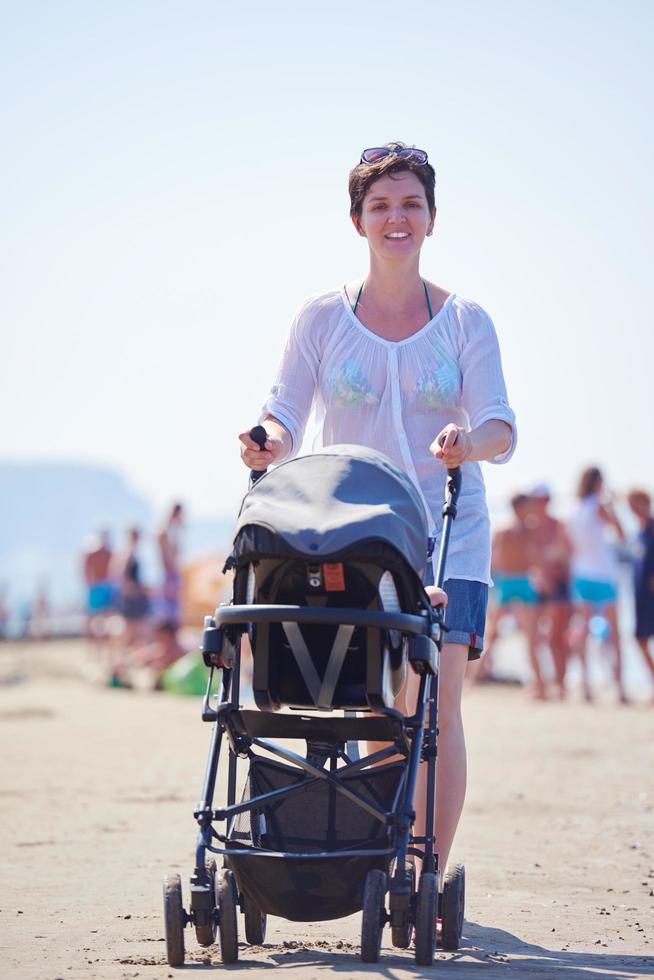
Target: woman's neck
[[393, 284]]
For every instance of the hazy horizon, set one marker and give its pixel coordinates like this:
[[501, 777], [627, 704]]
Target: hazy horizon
[[175, 185]]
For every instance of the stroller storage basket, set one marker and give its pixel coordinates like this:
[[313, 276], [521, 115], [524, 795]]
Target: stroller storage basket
[[313, 872]]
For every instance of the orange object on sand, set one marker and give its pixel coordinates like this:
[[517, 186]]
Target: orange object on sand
[[203, 588]]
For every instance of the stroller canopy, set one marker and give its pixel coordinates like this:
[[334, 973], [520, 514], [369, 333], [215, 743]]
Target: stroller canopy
[[326, 502]]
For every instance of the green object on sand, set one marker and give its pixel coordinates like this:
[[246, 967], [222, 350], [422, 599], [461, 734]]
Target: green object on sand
[[187, 676]]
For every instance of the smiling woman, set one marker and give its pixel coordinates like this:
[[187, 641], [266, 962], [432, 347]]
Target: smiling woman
[[402, 365]]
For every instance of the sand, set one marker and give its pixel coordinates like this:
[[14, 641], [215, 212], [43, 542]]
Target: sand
[[96, 797]]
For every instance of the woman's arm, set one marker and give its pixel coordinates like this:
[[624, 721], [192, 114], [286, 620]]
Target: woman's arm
[[288, 405], [606, 512], [453, 445], [483, 391]]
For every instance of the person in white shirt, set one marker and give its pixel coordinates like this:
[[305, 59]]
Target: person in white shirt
[[396, 363], [593, 530]]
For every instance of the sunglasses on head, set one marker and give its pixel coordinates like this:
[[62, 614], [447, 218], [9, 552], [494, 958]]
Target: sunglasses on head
[[376, 153]]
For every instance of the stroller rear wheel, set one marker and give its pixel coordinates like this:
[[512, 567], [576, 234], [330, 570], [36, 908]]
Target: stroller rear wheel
[[426, 910], [372, 921], [227, 923], [255, 921], [174, 919], [453, 907]]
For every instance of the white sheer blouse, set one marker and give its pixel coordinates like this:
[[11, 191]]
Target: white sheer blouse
[[396, 396]]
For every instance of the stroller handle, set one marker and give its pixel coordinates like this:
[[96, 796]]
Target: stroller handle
[[452, 490], [259, 435]]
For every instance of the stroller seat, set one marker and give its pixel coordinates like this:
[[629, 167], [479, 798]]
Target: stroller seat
[[304, 538]]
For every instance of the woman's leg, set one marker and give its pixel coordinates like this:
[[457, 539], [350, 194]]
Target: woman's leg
[[611, 614], [643, 646], [451, 768], [559, 621], [584, 611], [528, 617]]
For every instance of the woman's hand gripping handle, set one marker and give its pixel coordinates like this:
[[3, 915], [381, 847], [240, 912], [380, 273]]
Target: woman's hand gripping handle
[[258, 437]]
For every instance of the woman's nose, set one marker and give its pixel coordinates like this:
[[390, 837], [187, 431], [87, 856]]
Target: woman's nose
[[397, 214]]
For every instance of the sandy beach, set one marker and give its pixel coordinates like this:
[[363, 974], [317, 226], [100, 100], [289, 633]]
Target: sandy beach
[[96, 797]]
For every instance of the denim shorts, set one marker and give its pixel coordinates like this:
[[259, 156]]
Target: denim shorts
[[465, 614]]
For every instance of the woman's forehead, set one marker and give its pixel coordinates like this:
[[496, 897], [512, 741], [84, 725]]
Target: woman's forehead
[[402, 184]]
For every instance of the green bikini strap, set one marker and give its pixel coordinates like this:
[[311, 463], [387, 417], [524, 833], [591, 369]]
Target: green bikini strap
[[424, 286], [356, 303]]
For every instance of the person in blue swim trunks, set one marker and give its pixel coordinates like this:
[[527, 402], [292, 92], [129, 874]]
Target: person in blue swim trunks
[[515, 557], [100, 589]]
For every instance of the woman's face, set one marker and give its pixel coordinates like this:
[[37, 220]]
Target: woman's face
[[395, 216]]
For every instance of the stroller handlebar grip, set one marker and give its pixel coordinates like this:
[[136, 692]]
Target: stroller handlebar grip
[[259, 435], [452, 490]]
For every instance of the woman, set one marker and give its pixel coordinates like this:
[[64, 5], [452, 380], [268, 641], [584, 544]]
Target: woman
[[593, 529], [399, 364]]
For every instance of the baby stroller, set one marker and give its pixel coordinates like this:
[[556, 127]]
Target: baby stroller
[[328, 560]]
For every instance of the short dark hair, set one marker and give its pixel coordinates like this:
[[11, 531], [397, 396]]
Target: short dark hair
[[518, 500], [365, 174], [589, 481]]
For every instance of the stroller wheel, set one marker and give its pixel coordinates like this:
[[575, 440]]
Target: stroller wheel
[[372, 921], [401, 935], [255, 922], [174, 919], [453, 907], [426, 910], [227, 924], [206, 934]]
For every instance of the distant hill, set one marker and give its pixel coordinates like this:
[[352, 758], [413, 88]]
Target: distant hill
[[48, 511]]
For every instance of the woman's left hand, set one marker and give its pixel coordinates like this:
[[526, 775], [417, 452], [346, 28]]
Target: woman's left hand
[[452, 446]]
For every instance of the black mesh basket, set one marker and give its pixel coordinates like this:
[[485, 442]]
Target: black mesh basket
[[292, 882]]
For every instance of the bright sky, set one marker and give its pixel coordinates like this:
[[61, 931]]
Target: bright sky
[[174, 183]]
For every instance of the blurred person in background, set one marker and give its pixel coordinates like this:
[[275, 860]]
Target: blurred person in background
[[513, 593], [169, 542], [40, 627], [4, 611], [134, 601], [551, 577], [641, 505], [152, 658], [100, 589], [593, 530]]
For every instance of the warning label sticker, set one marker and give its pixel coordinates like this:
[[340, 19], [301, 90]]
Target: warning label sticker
[[334, 578]]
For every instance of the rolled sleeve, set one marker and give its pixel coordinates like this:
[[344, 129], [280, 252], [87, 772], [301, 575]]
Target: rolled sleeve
[[484, 394]]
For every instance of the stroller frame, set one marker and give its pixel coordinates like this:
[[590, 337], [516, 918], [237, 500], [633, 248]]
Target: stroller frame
[[214, 894]]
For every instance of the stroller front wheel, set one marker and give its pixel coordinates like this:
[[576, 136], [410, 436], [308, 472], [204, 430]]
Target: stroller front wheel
[[426, 911], [227, 922], [372, 921], [174, 919]]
